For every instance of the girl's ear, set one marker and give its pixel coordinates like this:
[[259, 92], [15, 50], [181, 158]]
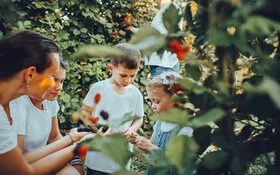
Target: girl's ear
[[29, 74], [110, 67]]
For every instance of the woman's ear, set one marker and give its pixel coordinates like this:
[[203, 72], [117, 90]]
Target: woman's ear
[[29, 74], [110, 67]]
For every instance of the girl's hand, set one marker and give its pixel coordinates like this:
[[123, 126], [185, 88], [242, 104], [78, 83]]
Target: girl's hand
[[145, 144], [76, 136], [88, 137]]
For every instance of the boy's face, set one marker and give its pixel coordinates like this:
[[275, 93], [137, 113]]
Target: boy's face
[[53, 92], [159, 98], [121, 75]]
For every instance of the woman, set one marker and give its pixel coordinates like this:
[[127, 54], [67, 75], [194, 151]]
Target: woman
[[28, 64]]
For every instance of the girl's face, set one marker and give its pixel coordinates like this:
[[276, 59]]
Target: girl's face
[[159, 98], [121, 75], [59, 78], [40, 83]]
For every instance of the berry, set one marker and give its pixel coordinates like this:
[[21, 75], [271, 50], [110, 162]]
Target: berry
[[178, 87], [175, 45], [104, 115], [94, 120], [75, 116], [82, 150], [97, 98]]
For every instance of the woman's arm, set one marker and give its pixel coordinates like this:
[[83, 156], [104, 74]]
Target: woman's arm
[[12, 162], [73, 136]]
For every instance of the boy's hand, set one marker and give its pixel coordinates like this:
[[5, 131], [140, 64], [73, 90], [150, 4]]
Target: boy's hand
[[132, 137]]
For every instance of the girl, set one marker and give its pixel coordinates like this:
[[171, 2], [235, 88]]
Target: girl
[[160, 90], [28, 63], [39, 125]]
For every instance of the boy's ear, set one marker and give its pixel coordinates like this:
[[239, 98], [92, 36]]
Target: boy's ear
[[29, 74], [110, 67]]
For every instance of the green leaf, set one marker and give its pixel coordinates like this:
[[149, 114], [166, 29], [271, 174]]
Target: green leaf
[[193, 71], [210, 116], [171, 18], [144, 32], [215, 159], [84, 30], [257, 26], [76, 32], [269, 87], [191, 85], [181, 151], [114, 145], [98, 51], [174, 115]]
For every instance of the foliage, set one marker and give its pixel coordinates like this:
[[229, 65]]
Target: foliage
[[240, 119], [239, 102], [73, 24]]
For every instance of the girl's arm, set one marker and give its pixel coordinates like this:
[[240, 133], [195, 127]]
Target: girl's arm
[[34, 155], [55, 133], [12, 162]]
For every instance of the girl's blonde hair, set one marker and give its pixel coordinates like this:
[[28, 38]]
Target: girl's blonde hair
[[167, 80]]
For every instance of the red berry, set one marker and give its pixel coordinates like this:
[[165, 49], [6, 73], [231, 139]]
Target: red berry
[[97, 98], [178, 87], [82, 150], [94, 120], [175, 46], [181, 55], [174, 104]]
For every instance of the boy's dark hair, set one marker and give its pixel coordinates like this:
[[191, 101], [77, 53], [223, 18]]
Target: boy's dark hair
[[131, 57], [24, 49]]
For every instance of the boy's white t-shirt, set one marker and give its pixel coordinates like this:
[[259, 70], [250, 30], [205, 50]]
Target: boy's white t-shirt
[[8, 136], [37, 126], [116, 106]]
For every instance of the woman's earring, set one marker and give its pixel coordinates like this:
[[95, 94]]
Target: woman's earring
[[27, 85]]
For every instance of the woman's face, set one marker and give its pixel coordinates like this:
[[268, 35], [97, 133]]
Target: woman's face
[[42, 82]]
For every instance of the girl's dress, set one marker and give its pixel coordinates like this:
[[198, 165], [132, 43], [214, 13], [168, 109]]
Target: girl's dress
[[161, 139]]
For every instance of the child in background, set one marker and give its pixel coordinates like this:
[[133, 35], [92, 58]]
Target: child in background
[[160, 90], [40, 126], [118, 98]]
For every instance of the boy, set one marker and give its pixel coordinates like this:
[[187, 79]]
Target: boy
[[118, 98]]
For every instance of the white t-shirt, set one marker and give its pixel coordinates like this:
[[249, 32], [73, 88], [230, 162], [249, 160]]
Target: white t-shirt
[[37, 126], [167, 59], [8, 136], [165, 127], [116, 106]]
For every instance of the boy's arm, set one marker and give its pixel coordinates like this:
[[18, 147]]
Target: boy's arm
[[136, 124]]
